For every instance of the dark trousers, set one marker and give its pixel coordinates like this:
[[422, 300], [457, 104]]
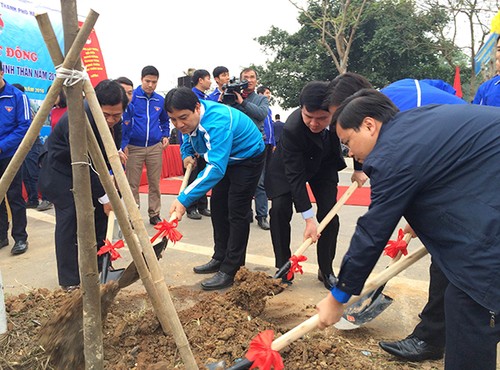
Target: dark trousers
[[261, 199], [201, 203], [66, 240], [431, 328], [17, 207], [231, 202], [281, 215], [471, 342]]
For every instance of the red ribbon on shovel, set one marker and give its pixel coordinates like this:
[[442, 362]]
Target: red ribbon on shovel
[[168, 229], [295, 267], [261, 353], [394, 246], [111, 248]]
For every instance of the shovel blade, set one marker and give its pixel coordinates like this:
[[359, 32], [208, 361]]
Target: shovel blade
[[131, 275], [221, 365], [364, 311]]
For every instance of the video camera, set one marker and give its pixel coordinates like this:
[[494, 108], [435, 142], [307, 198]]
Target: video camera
[[234, 85]]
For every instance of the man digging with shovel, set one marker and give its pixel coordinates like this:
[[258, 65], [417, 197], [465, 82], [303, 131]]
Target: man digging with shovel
[[433, 175], [233, 149]]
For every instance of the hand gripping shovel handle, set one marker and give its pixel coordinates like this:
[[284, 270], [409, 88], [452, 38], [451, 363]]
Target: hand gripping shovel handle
[[324, 223], [184, 184], [311, 323]]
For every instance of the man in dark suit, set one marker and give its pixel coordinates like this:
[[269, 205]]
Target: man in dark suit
[[278, 127], [56, 182], [438, 177], [427, 340], [308, 152]]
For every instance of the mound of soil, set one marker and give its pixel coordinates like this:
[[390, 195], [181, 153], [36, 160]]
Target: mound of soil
[[219, 326]]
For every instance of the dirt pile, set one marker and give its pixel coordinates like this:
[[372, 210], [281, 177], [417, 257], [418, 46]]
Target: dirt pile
[[217, 327]]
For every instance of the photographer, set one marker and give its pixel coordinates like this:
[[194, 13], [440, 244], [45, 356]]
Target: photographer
[[256, 107]]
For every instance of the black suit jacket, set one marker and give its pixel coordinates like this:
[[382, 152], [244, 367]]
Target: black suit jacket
[[300, 157], [56, 177]]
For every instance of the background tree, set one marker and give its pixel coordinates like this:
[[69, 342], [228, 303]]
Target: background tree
[[468, 27], [393, 40]]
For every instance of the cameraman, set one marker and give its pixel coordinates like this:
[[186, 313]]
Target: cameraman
[[256, 107]]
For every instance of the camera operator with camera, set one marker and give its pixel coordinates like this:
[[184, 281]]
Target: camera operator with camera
[[256, 107]]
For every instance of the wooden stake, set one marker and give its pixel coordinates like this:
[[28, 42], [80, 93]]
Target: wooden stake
[[34, 130], [82, 192]]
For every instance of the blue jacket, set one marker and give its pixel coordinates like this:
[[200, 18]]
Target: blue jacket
[[127, 124], [409, 93], [488, 93], [439, 177], [224, 137], [15, 119], [151, 122], [200, 94], [214, 96], [269, 129]]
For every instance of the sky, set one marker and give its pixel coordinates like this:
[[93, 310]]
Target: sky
[[177, 35]]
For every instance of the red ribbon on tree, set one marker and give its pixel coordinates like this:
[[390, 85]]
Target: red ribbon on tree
[[295, 267], [261, 353], [394, 246], [168, 229], [111, 248]]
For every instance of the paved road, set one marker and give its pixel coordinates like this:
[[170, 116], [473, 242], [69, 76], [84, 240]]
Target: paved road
[[37, 267]]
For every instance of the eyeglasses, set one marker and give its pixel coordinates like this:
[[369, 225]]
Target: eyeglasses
[[114, 117]]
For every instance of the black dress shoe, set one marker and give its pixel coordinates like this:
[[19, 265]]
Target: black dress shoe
[[328, 280], [194, 215], [263, 224], [208, 268], [220, 280], [154, 220], [4, 243], [205, 212], [413, 349], [19, 247]]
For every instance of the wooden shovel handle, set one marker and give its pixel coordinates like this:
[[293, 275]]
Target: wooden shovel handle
[[329, 216], [372, 284], [111, 226], [184, 184], [185, 180]]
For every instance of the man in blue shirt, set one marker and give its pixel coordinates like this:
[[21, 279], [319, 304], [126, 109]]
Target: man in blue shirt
[[234, 151], [221, 77], [15, 119], [489, 92], [148, 139]]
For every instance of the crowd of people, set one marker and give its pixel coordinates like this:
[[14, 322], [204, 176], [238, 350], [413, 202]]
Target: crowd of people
[[428, 155]]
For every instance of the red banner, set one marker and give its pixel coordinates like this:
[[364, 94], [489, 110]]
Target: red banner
[[93, 60]]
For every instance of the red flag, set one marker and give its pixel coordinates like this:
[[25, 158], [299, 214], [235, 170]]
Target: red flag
[[456, 83]]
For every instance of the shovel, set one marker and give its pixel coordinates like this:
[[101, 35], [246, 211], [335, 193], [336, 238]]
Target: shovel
[[329, 216], [312, 323], [368, 306]]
